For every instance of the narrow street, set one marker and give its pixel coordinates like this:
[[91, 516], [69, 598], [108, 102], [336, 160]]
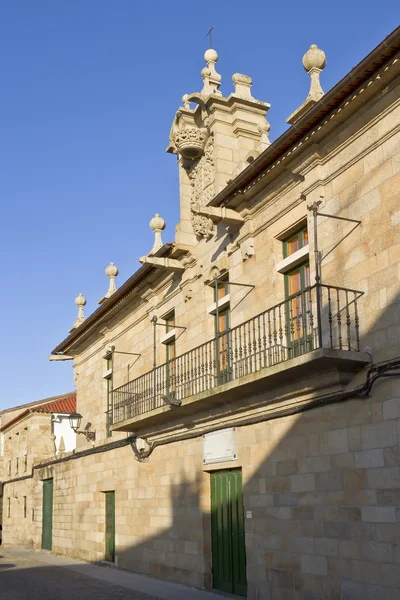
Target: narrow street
[[27, 575]]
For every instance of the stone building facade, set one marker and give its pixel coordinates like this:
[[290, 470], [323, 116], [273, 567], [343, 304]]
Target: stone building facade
[[243, 384], [30, 434]]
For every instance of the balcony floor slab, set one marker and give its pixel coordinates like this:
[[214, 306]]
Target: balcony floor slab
[[337, 366]]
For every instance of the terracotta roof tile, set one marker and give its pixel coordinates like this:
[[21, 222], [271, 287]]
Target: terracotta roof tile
[[65, 406]]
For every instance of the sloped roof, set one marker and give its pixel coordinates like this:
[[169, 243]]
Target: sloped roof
[[113, 301], [365, 69], [30, 405], [63, 405]]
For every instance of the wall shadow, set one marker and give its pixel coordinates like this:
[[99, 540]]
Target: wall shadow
[[309, 536], [310, 484]]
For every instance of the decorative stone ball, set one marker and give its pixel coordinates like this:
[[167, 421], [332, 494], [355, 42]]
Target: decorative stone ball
[[206, 72], [264, 127], [314, 58], [157, 223], [80, 300], [111, 270], [211, 55]]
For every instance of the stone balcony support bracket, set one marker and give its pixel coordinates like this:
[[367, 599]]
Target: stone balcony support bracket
[[168, 264], [226, 215]]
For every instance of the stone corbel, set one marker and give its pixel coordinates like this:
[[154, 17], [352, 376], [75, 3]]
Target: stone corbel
[[216, 214], [247, 249], [169, 264], [218, 270]]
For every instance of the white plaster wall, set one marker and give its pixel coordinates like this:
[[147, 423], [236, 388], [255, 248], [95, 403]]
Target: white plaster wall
[[62, 429]]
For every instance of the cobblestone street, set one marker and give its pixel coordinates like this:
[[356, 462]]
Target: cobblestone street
[[26, 575]]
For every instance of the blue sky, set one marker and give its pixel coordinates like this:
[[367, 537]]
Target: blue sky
[[89, 89]]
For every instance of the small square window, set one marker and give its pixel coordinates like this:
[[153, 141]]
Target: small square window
[[295, 242], [221, 289], [169, 321]]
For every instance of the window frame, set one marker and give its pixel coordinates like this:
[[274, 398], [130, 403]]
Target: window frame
[[107, 377], [302, 241]]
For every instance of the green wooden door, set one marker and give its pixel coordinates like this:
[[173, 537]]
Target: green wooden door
[[110, 526], [47, 514], [227, 532], [299, 317]]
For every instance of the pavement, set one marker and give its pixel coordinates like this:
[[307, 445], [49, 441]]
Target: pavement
[[26, 575]]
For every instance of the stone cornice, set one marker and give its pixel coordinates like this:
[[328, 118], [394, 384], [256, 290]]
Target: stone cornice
[[280, 191], [108, 308], [367, 73], [303, 143]]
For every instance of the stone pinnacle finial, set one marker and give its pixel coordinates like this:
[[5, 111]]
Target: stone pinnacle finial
[[314, 61], [242, 84], [157, 224], [80, 301], [111, 272], [264, 128], [211, 79]]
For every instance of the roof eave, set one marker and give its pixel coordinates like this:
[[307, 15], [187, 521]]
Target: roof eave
[[365, 69], [103, 309]]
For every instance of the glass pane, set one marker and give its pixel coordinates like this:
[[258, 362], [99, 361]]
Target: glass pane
[[305, 237], [170, 322], [222, 289], [294, 282], [293, 245], [223, 322], [170, 351], [223, 352]]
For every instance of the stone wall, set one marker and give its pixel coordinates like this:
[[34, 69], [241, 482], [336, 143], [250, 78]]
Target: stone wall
[[355, 171], [322, 486]]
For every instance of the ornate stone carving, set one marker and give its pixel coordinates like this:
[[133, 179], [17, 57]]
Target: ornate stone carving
[[202, 175], [247, 249], [190, 141]]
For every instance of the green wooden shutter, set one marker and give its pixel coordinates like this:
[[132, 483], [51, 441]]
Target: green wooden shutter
[[47, 515], [110, 526], [238, 537]]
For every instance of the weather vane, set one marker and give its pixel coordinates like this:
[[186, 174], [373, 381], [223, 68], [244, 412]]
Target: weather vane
[[210, 34]]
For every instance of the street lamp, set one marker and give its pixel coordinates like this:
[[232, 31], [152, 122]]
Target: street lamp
[[75, 422]]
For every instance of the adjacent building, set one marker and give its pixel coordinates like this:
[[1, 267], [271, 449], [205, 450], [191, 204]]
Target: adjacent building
[[31, 433], [239, 394]]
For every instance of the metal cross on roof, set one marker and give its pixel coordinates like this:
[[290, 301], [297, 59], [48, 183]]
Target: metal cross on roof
[[210, 34]]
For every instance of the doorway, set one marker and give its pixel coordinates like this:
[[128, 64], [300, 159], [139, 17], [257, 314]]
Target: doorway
[[47, 515], [298, 310], [227, 532], [110, 527]]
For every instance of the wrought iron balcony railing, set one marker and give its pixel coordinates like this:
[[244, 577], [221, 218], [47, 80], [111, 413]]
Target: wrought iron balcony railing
[[320, 316]]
